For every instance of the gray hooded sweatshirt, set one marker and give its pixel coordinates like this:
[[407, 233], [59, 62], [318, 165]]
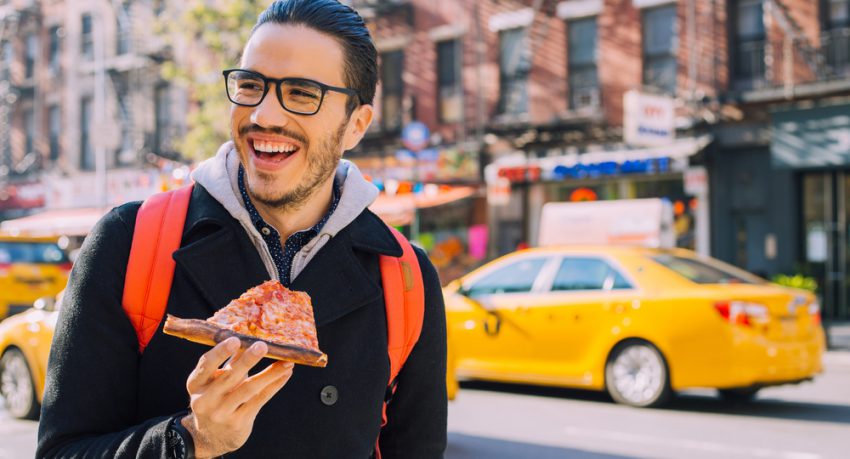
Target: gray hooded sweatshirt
[[219, 175]]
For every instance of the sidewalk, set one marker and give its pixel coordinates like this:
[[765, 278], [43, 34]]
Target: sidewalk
[[839, 336]]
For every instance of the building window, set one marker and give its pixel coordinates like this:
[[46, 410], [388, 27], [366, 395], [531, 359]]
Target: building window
[[582, 71], [392, 65], [31, 55], [449, 85], [86, 149], [749, 41], [123, 28], [86, 40], [54, 122], [513, 72], [162, 102], [8, 60], [55, 52], [660, 47], [29, 130], [835, 41]]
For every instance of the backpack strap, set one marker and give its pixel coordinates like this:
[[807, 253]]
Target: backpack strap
[[150, 268], [404, 300]]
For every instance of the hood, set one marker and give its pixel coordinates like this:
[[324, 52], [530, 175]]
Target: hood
[[219, 176]]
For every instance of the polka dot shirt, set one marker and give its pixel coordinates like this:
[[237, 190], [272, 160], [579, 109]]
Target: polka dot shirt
[[283, 256]]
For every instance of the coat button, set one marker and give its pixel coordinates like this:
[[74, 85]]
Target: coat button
[[330, 395], [266, 231]]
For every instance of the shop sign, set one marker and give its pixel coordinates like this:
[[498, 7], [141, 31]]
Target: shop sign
[[612, 169], [649, 119], [428, 165], [696, 181], [23, 196], [520, 174]]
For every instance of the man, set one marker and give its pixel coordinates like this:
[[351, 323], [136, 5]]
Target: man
[[276, 202]]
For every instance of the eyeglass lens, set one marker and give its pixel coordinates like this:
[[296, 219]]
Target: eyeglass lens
[[246, 88]]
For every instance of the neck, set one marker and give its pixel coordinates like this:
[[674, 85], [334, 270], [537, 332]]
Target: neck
[[292, 219]]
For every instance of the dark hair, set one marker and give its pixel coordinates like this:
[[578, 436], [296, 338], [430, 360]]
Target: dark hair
[[346, 26]]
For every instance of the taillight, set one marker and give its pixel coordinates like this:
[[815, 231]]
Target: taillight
[[4, 268], [741, 312], [66, 267], [814, 311]]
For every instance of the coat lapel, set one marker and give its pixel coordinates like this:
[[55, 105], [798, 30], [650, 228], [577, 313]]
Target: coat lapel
[[217, 256], [336, 279]]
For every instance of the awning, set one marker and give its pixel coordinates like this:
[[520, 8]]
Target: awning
[[678, 149], [398, 210], [62, 222]]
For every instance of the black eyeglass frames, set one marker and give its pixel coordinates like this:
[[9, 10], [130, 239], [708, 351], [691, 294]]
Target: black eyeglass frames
[[296, 95]]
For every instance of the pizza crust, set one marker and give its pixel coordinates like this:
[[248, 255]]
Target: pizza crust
[[204, 332]]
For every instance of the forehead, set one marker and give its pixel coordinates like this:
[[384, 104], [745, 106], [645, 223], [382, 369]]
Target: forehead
[[280, 51]]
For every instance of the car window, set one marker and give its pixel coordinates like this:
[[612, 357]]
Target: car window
[[585, 273], [516, 277], [31, 252], [705, 272]]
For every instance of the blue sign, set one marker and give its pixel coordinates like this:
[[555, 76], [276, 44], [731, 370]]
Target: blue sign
[[612, 168], [415, 136]]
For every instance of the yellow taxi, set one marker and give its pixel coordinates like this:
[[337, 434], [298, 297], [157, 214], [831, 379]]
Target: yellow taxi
[[30, 268], [24, 347], [640, 323]]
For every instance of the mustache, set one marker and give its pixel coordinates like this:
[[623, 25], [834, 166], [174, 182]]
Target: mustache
[[245, 130]]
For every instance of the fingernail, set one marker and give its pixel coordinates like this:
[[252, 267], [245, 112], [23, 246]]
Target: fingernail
[[257, 349], [231, 344]]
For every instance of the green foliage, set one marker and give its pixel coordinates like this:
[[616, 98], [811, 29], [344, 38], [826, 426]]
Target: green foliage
[[796, 281], [214, 33]]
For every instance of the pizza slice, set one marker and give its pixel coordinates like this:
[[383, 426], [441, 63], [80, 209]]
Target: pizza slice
[[269, 312]]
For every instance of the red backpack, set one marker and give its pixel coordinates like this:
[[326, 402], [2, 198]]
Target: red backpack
[[150, 270]]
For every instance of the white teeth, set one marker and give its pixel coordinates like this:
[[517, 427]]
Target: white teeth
[[269, 147]]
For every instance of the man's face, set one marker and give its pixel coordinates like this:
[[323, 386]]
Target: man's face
[[288, 157]]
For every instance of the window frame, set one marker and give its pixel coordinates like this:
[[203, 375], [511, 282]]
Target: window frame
[[88, 158], [87, 36], [612, 263], [506, 80], [397, 89], [54, 137], [456, 87], [543, 275], [671, 54], [54, 51], [738, 41], [574, 67]]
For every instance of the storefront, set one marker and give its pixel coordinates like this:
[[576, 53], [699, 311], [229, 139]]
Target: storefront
[[811, 149], [655, 172]]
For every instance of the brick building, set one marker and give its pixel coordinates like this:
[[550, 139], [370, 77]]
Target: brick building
[[82, 103]]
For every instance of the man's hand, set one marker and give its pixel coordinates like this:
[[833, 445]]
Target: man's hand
[[225, 401]]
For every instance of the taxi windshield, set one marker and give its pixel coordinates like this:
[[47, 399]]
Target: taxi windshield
[[31, 252]]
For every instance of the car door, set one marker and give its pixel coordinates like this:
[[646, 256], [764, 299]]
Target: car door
[[490, 341], [579, 309]]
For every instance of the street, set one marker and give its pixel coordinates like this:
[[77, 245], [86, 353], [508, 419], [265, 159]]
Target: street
[[497, 421]]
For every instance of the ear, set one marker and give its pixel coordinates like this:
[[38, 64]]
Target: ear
[[359, 123]]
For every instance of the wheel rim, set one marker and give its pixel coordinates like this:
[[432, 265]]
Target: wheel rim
[[638, 374], [15, 384]]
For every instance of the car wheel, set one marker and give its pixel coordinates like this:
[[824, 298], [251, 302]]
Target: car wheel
[[636, 374], [739, 395], [16, 386]]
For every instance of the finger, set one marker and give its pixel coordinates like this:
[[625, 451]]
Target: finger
[[252, 386], [252, 406], [208, 364], [237, 370]]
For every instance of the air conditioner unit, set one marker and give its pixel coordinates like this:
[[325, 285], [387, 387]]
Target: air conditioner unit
[[584, 98]]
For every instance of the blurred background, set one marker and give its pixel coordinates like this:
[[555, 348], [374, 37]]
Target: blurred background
[[501, 125]]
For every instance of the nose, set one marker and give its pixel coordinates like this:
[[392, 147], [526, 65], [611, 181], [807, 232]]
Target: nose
[[270, 112]]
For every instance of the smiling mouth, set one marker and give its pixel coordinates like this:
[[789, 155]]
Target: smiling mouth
[[272, 151]]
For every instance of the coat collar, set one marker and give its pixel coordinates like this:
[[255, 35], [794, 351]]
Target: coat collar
[[221, 262]]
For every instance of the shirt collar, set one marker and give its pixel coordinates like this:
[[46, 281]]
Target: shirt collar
[[258, 221]]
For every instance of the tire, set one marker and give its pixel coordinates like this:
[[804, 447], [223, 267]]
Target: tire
[[739, 395], [636, 374], [16, 386]]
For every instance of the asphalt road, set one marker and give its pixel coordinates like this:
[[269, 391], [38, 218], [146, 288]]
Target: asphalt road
[[495, 421]]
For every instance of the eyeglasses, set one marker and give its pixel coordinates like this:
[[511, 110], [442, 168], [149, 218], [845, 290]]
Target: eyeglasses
[[296, 95]]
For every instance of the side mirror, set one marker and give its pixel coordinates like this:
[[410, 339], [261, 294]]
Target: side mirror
[[45, 303]]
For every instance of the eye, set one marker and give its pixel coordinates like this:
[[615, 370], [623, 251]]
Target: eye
[[250, 86], [303, 93]]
